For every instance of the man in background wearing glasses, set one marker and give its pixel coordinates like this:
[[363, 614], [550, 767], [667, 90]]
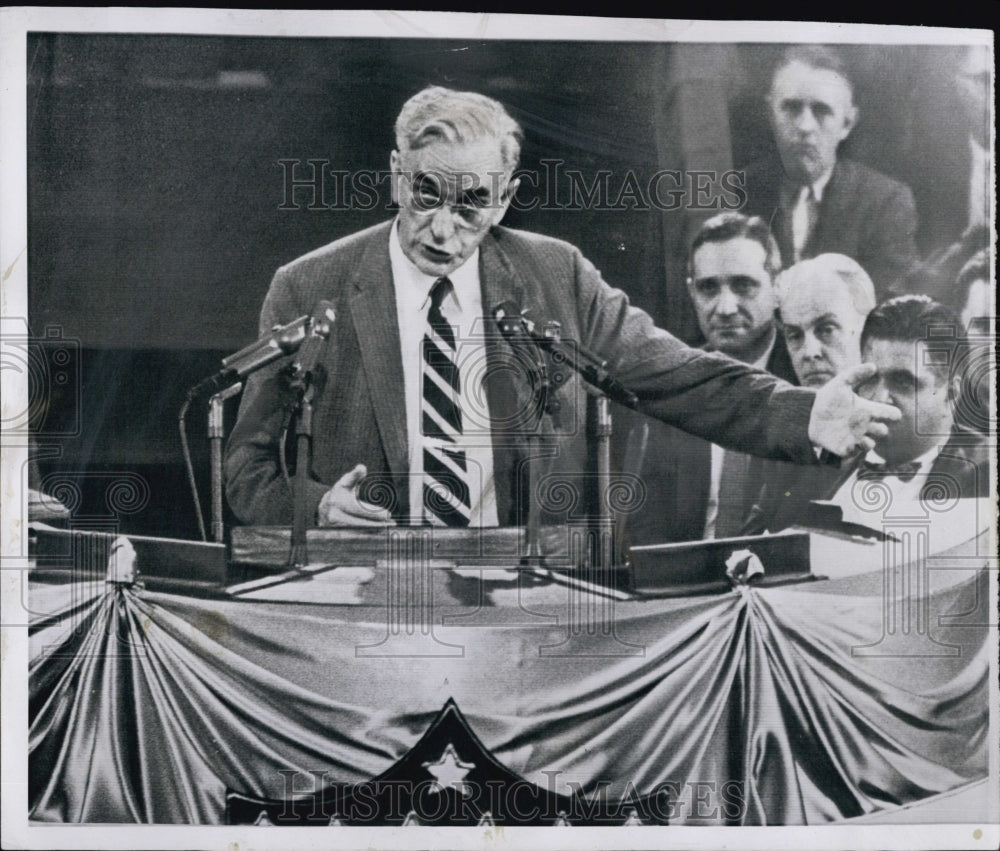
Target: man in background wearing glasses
[[425, 409]]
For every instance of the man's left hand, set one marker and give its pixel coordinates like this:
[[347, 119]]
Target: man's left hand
[[843, 422]]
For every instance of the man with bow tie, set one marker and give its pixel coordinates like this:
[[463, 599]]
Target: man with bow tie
[[916, 345], [924, 459], [426, 412]]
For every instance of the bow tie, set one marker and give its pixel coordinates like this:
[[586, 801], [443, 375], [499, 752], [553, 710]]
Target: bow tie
[[904, 471]]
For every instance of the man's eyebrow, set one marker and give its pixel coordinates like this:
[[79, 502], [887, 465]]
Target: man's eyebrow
[[826, 317]]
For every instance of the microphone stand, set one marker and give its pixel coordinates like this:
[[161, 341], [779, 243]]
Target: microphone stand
[[602, 551], [533, 555], [216, 433], [302, 383], [299, 555], [599, 383]]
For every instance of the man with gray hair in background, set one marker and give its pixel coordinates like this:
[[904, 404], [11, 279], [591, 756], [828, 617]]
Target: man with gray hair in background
[[823, 303], [422, 414]]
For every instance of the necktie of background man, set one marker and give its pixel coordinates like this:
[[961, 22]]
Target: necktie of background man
[[804, 216]]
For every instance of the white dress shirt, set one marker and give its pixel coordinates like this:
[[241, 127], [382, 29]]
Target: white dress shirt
[[463, 308], [718, 456], [889, 504], [903, 497]]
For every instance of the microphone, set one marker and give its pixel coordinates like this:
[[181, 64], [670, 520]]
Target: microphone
[[282, 340], [320, 323], [594, 370], [513, 324]]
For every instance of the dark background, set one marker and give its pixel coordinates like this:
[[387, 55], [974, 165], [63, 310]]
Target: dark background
[[155, 186]]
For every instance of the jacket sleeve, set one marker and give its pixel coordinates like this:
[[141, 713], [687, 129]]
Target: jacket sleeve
[[708, 395], [255, 484]]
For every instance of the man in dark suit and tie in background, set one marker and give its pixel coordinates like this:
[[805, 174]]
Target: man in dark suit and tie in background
[[815, 201], [695, 489], [423, 396]]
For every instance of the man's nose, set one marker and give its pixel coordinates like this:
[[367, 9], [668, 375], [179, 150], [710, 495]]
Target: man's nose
[[727, 302], [811, 347], [878, 392], [442, 223], [805, 121]]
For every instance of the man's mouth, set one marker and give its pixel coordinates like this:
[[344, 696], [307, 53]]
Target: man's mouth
[[435, 253], [802, 154], [816, 378], [819, 373]]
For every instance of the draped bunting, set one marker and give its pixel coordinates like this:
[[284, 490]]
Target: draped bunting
[[750, 707]]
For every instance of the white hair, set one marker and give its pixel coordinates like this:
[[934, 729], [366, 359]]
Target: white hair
[[818, 270], [440, 113]]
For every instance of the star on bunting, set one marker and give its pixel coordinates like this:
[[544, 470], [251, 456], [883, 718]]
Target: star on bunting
[[450, 771]]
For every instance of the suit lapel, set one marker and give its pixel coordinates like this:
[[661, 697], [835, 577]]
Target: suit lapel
[[373, 307], [833, 210], [960, 466]]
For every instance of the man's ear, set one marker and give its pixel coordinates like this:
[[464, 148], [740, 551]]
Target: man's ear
[[396, 170], [850, 121]]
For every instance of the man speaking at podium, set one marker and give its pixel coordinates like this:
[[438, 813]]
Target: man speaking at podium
[[422, 409]]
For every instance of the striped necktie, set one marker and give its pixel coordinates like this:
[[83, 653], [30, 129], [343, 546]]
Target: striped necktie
[[445, 486]]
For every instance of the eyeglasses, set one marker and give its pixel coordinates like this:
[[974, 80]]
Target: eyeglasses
[[473, 212]]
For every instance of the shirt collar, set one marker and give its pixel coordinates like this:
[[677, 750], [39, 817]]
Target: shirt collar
[[463, 279], [793, 191], [819, 185]]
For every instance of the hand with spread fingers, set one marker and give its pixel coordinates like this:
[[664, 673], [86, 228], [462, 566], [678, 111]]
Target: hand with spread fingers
[[843, 422]]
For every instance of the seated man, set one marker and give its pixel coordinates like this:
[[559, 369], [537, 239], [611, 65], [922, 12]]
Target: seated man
[[814, 200], [823, 303], [913, 343], [925, 459], [695, 489]]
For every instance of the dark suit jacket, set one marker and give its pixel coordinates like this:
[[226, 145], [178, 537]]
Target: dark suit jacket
[[359, 416], [960, 470], [864, 214], [676, 468]]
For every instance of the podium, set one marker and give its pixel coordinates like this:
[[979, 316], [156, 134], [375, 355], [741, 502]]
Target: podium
[[257, 556]]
